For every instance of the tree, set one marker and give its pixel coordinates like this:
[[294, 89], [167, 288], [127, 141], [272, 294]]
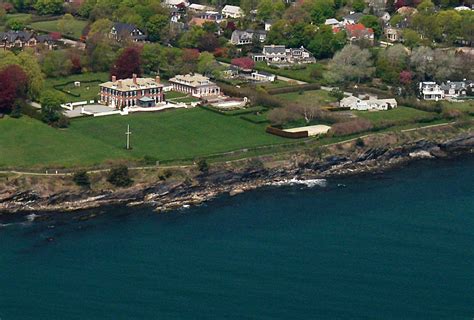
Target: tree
[[320, 10], [325, 43], [65, 24], [127, 64], [411, 38], [15, 24], [13, 86], [370, 21], [156, 26], [390, 62], [30, 65], [51, 110], [206, 63], [45, 7], [243, 63], [429, 64], [56, 63], [102, 26], [351, 63], [268, 9], [358, 5], [208, 42], [119, 176], [81, 178]]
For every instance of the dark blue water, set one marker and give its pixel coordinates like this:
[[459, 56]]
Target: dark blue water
[[393, 246]]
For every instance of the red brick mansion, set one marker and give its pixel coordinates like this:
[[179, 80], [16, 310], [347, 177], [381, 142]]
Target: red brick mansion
[[140, 92]]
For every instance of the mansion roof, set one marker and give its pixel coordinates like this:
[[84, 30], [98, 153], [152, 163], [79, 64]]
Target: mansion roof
[[131, 84]]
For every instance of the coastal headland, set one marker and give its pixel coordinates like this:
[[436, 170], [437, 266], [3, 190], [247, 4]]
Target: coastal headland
[[167, 188]]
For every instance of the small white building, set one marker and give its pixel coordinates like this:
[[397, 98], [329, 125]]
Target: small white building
[[430, 91], [262, 76], [232, 12], [334, 23], [370, 104]]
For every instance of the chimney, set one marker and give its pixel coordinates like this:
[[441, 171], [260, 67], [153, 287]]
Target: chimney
[[157, 79], [114, 78], [120, 83], [134, 78]]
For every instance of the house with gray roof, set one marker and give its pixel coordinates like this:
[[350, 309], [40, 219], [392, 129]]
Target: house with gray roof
[[24, 39], [353, 18], [122, 31], [243, 37], [281, 55]]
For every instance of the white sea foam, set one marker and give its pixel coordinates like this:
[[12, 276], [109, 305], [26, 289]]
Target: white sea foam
[[310, 183], [31, 217]]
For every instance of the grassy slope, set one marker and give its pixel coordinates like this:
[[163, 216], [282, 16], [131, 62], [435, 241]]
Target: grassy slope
[[398, 114], [175, 134], [52, 26], [317, 96]]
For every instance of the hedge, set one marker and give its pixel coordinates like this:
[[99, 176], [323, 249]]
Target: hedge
[[295, 88], [286, 134]]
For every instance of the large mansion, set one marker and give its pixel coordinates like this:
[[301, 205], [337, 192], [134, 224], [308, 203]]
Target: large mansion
[[279, 54], [142, 92], [195, 84]]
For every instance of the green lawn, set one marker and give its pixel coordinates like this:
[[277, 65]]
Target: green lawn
[[52, 26], [398, 114], [22, 17], [174, 94], [87, 91], [317, 96], [177, 134], [467, 106], [298, 74]]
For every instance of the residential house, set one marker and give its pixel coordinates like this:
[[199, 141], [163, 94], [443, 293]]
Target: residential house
[[367, 103], [430, 91], [199, 8], [357, 32], [176, 3], [454, 89], [352, 18], [234, 12], [392, 34], [121, 31], [279, 54], [333, 23], [24, 39], [240, 37], [131, 92], [212, 16], [196, 85]]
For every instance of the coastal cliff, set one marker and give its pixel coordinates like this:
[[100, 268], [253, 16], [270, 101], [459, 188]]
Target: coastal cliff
[[373, 153]]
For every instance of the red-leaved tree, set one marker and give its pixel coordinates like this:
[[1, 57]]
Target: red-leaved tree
[[127, 64], [406, 77], [245, 63], [13, 85]]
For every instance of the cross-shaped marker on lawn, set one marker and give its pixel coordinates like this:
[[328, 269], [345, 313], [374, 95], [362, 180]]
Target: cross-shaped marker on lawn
[[128, 133]]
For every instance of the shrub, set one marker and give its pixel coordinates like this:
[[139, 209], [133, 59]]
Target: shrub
[[63, 122], [360, 143], [203, 166], [81, 178], [119, 176], [351, 127], [150, 160], [451, 113]]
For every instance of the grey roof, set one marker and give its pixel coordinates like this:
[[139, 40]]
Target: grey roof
[[457, 85], [12, 36], [356, 16], [274, 49], [127, 28]]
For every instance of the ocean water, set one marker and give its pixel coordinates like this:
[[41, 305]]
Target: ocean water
[[398, 245]]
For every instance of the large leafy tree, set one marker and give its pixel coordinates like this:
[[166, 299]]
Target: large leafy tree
[[13, 86], [49, 6], [128, 63], [51, 101], [350, 64]]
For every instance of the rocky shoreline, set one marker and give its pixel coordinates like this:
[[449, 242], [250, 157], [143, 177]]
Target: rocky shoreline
[[169, 195]]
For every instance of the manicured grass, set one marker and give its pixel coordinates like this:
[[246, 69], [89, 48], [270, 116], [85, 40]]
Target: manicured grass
[[398, 114], [320, 97], [303, 74], [174, 94], [22, 17], [85, 94], [177, 134], [277, 84], [52, 26], [187, 99]]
